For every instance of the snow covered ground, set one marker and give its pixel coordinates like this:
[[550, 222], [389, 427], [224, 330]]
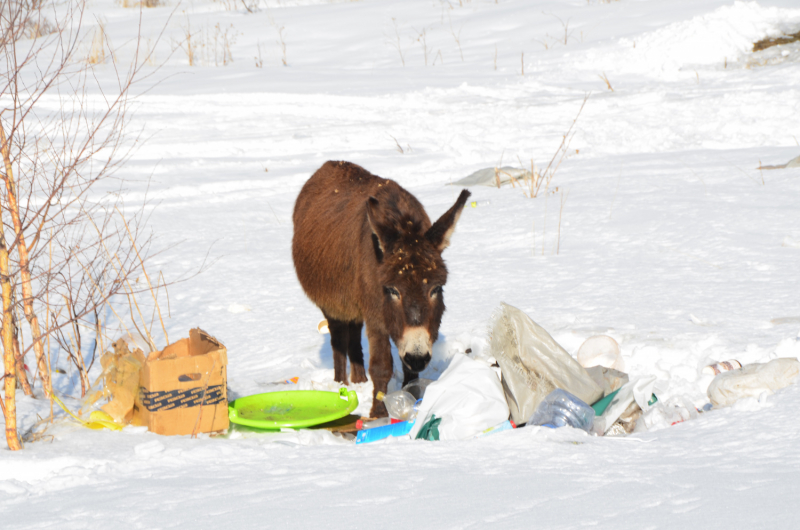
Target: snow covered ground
[[671, 241]]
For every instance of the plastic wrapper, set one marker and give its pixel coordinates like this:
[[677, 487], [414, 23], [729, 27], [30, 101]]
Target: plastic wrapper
[[534, 364], [752, 380], [608, 379]]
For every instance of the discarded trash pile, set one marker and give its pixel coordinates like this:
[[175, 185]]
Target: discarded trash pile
[[536, 382], [529, 379], [178, 390]]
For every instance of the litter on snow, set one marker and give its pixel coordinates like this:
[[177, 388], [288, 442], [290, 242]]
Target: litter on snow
[[528, 379]]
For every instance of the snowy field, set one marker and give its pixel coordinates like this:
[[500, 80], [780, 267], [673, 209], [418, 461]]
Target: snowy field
[[670, 240]]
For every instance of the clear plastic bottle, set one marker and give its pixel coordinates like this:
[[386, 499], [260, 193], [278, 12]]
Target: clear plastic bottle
[[371, 424], [560, 408], [400, 404], [417, 387]]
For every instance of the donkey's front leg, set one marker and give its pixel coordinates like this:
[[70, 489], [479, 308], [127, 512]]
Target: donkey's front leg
[[380, 368]]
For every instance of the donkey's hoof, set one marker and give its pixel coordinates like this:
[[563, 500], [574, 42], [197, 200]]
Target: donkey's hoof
[[358, 376]]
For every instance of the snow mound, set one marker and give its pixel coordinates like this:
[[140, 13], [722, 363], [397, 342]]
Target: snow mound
[[725, 35]]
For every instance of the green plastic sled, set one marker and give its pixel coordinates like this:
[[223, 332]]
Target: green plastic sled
[[295, 409]]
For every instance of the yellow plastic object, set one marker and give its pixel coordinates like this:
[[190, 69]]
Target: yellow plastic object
[[100, 419]]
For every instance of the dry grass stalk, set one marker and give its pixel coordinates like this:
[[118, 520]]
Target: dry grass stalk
[[537, 178], [259, 60], [142, 3], [223, 40], [398, 147], [282, 43], [204, 47], [422, 38], [605, 78], [97, 53], [188, 45], [144, 271], [396, 41], [124, 275]]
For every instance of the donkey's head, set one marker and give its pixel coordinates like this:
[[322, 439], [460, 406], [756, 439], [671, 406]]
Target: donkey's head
[[411, 272]]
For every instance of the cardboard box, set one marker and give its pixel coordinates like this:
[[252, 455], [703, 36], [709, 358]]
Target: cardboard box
[[182, 389]]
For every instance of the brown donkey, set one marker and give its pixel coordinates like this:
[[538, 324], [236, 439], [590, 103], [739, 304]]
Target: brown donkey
[[365, 251]]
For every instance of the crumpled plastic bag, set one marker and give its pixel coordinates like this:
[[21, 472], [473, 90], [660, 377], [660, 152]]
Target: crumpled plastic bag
[[467, 397], [534, 364], [751, 380], [663, 414], [638, 392], [608, 379], [493, 176]]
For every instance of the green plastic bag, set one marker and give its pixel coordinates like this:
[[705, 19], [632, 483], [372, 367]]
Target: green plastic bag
[[430, 430]]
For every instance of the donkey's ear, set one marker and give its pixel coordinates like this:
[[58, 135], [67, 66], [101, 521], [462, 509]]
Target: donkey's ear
[[439, 233], [380, 234]]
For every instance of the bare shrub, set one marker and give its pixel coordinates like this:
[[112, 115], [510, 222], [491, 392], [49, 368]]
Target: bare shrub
[[207, 47], [539, 179], [66, 247], [141, 3]]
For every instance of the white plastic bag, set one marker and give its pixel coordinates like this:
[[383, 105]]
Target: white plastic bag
[[607, 378], [534, 364], [639, 391], [676, 409], [467, 397], [751, 380]]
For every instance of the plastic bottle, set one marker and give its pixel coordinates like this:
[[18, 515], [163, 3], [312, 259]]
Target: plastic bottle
[[722, 366], [417, 387], [380, 422], [400, 404], [379, 433], [561, 408]]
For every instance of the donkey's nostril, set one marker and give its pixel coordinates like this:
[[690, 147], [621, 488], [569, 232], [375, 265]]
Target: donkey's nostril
[[417, 362]]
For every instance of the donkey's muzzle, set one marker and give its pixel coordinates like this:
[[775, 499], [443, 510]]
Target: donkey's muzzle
[[416, 362]]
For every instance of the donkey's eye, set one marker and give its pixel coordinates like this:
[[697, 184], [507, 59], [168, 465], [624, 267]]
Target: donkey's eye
[[436, 291], [391, 291]]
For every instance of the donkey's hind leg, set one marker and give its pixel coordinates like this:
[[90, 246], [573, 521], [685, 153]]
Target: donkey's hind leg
[[355, 353], [339, 341]]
